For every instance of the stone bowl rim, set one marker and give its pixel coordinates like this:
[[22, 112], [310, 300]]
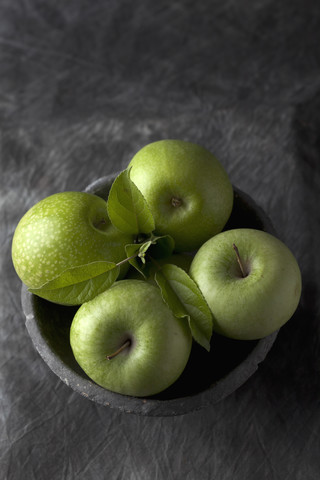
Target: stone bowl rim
[[215, 393]]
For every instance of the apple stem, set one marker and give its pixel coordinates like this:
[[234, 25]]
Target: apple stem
[[123, 347], [244, 274], [176, 202], [100, 223]]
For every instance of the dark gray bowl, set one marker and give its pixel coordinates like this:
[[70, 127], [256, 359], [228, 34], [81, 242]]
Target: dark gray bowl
[[208, 377]]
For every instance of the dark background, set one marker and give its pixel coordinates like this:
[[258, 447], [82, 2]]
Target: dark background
[[83, 86]]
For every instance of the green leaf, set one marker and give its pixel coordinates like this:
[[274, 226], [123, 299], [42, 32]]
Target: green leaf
[[157, 247], [144, 247], [133, 254], [80, 292], [184, 298], [127, 207], [78, 274]]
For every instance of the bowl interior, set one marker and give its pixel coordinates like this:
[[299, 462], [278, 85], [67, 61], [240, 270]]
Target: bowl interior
[[207, 378]]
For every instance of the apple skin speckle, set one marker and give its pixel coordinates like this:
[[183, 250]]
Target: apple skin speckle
[[184, 185], [58, 233]]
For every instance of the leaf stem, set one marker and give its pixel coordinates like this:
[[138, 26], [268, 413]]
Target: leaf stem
[[126, 344], [127, 259]]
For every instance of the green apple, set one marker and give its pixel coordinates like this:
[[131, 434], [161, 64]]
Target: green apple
[[62, 231], [182, 260], [253, 302], [128, 341], [187, 189]]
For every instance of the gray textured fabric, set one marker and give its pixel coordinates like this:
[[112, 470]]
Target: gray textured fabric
[[83, 86]]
